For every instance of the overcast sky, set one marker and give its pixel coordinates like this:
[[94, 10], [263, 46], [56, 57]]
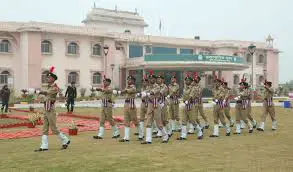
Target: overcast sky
[[211, 19]]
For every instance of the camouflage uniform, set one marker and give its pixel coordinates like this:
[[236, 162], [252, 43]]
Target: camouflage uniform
[[50, 115], [154, 114], [130, 111], [143, 111], [268, 107], [174, 105], [227, 106], [189, 114], [242, 108], [219, 101], [107, 112]]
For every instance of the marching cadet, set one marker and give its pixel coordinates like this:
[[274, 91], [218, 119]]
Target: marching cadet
[[249, 114], [199, 101], [154, 111], [227, 103], [71, 95], [219, 101], [143, 107], [174, 103], [130, 111], [268, 107], [189, 114], [163, 104], [242, 107], [107, 110], [50, 114]]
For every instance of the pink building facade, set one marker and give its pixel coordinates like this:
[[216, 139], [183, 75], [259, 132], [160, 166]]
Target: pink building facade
[[28, 49]]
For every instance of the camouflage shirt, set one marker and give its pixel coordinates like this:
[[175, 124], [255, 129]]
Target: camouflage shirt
[[130, 91], [174, 90]]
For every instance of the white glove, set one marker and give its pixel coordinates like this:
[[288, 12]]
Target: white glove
[[168, 96], [119, 92], [137, 94], [186, 102], [148, 94], [114, 92], [38, 91], [143, 94], [162, 105], [237, 98], [31, 91], [216, 100]]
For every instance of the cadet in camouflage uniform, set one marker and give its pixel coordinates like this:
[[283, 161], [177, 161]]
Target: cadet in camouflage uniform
[[174, 103], [163, 104], [242, 107], [143, 107], [227, 103], [199, 101], [189, 110], [50, 114], [249, 114], [154, 111], [219, 102], [107, 110], [130, 111], [268, 107]]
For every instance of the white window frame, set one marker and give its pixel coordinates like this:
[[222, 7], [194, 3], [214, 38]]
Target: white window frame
[[101, 49], [4, 42], [48, 43]]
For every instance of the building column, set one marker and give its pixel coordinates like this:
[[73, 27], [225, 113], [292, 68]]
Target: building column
[[220, 74]]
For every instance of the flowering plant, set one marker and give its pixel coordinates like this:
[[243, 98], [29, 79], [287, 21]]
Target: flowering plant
[[34, 117]]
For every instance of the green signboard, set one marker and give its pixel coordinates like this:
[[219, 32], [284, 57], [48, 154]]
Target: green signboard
[[182, 57]]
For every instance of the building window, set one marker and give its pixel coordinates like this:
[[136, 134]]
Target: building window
[[73, 77], [4, 46], [235, 79], [135, 51], [186, 51], [164, 50], [260, 80], [248, 58], [72, 48], [44, 77], [96, 50], [46, 47], [261, 59], [97, 79], [210, 80], [4, 77], [148, 49]]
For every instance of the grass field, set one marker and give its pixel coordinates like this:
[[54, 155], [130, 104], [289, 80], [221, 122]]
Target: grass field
[[268, 151]]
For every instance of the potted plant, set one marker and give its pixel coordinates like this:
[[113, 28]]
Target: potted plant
[[72, 129], [82, 92], [24, 93], [34, 119]]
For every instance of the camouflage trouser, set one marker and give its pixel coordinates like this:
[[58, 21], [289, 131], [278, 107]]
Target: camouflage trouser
[[143, 112], [174, 111], [50, 121], [241, 114], [154, 114], [107, 115], [130, 114], [219, 114], [268, 110]]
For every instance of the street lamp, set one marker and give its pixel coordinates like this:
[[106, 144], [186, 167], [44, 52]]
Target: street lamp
[[112, 67], [106, 50], [251, 50]]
